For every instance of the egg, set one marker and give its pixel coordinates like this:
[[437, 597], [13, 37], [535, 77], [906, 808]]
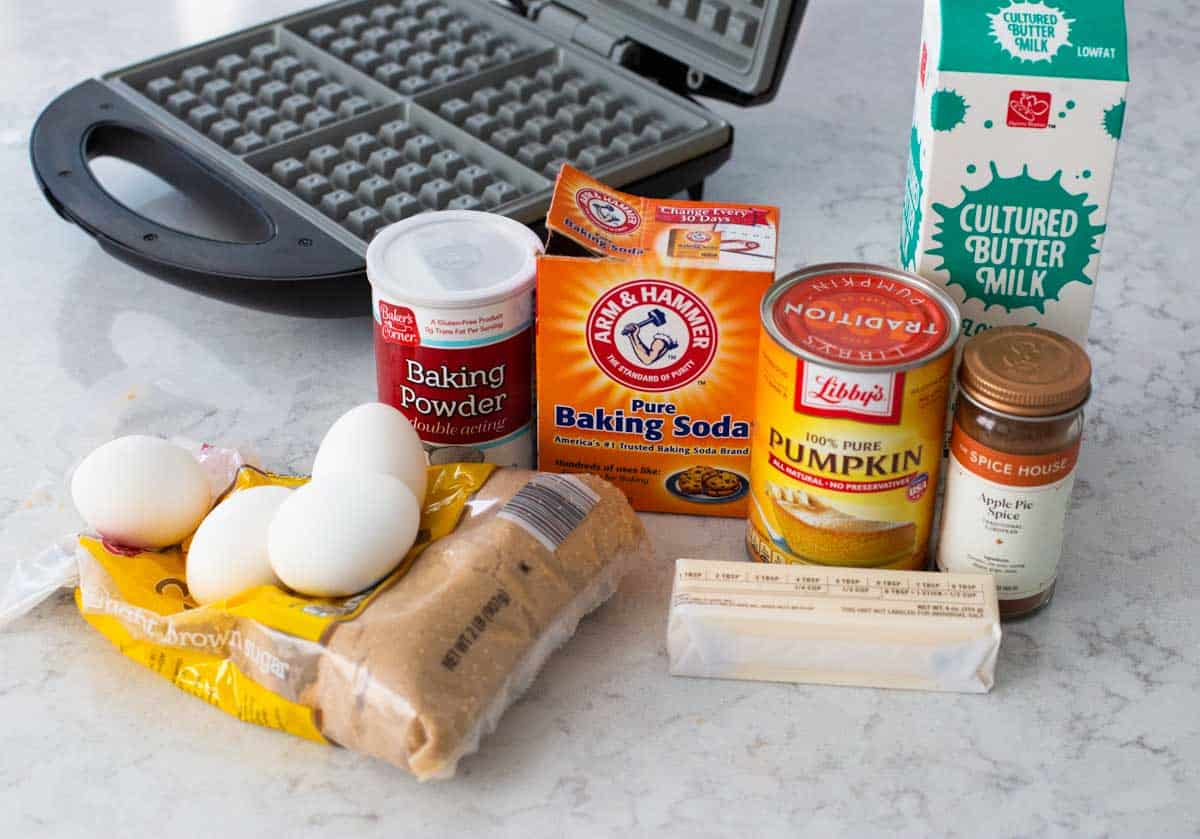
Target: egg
[[374, 437], [341, 532], [141, 491], [228, 554]]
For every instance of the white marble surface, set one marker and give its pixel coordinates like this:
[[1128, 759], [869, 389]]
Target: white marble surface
[[1093, 728]]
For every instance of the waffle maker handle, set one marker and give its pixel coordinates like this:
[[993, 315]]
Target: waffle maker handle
[[90, 120]]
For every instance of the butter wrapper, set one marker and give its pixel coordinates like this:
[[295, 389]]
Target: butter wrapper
[[911, 630]]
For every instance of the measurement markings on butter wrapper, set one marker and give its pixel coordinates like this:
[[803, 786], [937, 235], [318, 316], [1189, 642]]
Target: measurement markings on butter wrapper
[[549, 507]]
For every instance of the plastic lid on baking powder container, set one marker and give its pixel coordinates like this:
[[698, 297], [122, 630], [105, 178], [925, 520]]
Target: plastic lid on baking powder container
[[453, 258]]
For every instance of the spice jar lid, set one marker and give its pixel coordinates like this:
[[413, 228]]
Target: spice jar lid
[[1026, 371]]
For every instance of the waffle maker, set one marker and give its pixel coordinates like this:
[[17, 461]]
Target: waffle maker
[[312, 132]]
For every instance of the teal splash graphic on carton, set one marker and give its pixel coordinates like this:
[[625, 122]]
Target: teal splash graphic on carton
[[1114, 120], [947, 110], [1031, 31], [1016, 242], [910, 230]]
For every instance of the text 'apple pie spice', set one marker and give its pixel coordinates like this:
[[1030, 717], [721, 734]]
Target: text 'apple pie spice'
[[853, 377], [452, 299], [1013, 449]]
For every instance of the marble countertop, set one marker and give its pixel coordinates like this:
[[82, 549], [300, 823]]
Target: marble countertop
[[1093, 727]]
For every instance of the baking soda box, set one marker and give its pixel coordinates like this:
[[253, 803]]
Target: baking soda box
[[1018, 112], [647, 337]]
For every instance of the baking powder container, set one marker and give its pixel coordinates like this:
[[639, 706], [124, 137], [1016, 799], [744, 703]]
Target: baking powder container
[[452, 299]]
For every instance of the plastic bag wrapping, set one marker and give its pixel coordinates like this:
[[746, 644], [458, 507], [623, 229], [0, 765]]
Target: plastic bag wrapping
[[417, 669], [36, 578], [220, 465]]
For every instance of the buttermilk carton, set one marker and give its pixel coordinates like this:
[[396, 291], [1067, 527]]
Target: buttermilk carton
[[647, 335], [1019, 108]]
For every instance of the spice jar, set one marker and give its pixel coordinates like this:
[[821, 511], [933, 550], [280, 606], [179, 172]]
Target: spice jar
[[1013, 449]]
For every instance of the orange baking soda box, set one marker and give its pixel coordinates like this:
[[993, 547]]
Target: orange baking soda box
[[647, 336]]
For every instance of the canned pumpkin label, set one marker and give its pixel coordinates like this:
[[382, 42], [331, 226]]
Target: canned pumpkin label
[[853, 378]]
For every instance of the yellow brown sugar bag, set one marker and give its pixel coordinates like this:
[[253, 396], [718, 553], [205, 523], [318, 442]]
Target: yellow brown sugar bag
[[420, 667]]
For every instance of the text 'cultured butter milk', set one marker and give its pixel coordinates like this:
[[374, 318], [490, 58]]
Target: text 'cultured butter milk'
[[1019, 109]]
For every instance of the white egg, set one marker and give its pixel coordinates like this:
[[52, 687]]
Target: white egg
[[374, 437], [228, 554], [141, 491], [340, 533]]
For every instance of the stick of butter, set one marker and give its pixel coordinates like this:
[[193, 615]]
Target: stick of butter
[[835, 626]]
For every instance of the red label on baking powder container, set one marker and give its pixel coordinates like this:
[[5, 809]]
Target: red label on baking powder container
[[458, 395]]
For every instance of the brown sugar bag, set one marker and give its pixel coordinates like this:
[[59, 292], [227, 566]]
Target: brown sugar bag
[[432, 662], [416, 669]]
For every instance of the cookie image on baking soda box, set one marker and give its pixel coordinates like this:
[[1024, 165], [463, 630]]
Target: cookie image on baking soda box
[[647, 314]]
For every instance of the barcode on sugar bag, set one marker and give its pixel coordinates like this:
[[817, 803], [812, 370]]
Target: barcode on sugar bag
[[549, 507]]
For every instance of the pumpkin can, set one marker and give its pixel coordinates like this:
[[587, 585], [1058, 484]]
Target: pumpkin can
[[854, 373]]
